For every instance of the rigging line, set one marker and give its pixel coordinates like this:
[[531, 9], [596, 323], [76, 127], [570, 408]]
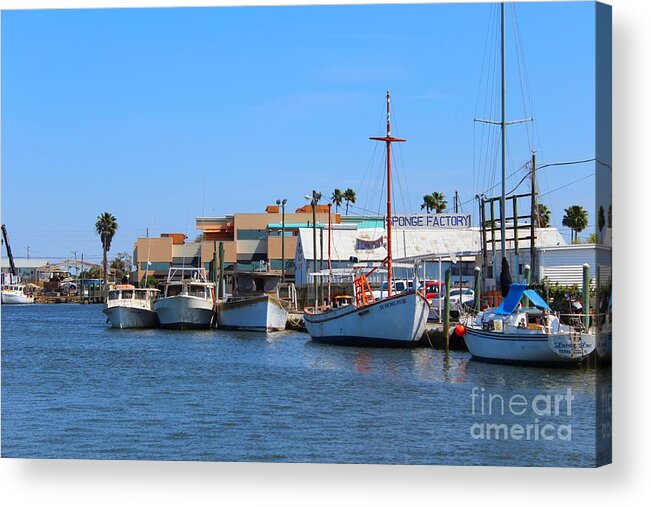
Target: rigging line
[[519, 183], [519, 59], [524, 166], [569, 163], [566, 185], [488, 111], [492, 92], [397, 168]]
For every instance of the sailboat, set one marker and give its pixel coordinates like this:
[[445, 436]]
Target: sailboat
[[514, 333], [397, 320], [511, 332]]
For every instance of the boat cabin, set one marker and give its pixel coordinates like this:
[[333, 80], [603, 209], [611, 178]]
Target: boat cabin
[[188, 288], [14, 288], [129, 292]]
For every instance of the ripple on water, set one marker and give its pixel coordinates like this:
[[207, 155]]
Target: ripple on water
[[72, 387]]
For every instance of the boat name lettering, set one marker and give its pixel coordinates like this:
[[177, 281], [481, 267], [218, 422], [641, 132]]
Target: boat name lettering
[[393, 303]]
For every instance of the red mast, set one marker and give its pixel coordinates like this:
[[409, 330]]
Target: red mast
[[388, 139]]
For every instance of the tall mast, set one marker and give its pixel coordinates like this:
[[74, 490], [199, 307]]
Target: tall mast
[[388, 139], [503, 125]]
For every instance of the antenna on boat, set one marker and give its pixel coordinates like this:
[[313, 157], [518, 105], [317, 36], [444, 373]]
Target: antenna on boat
[[388, 139]]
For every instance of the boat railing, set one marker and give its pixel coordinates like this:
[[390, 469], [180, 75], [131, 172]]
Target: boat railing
[[131, 303], [182, 274]]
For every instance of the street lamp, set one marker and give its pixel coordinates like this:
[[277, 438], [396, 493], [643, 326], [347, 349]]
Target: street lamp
[[282, 232], [314, 200]]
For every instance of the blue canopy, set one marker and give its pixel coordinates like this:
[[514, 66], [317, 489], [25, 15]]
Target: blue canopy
[[512, 299]]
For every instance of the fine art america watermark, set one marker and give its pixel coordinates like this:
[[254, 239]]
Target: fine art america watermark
[[520, 417]]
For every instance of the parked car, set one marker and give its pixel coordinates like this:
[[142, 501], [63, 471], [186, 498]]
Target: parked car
[[434, 289], [398, 287], [465, 296]]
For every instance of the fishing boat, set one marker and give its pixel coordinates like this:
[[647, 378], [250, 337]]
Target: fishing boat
[[532, 334], [129, 307], [265, 312], [397, 320], [187, 300], [14, 294]]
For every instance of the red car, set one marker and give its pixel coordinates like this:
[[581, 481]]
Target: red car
[[434, 289]]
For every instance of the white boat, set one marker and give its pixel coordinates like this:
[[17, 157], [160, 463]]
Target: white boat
[[257, 313], [188, 300], [395, 321], [14, 294], [129, 307], [511, 333]]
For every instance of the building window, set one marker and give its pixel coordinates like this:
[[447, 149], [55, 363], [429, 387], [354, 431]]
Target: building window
[[155, 266], [277, 264], [256, 234]]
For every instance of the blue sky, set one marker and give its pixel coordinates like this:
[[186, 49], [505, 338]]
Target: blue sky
[[162, 115]]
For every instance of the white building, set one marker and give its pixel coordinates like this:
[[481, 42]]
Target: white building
[[367, 246], [25, 268], [564, 264]]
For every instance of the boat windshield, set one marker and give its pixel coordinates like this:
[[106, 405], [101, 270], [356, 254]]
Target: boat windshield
[[197, 290], [173, 290], [127, 294], [113, 295]]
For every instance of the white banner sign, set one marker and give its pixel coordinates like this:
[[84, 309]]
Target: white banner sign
[[436, 221]]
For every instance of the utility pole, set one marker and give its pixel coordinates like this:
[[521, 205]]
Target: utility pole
[[76, 271], [282, 203], [316, 196], [27, 252], [456, 201]]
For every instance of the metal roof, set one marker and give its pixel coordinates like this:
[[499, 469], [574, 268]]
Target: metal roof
[[409, 243], [22, 263]]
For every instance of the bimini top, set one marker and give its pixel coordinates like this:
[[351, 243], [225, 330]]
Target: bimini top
[[512, 299]]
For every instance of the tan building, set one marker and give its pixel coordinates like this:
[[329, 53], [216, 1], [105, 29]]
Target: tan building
[[251, 242]]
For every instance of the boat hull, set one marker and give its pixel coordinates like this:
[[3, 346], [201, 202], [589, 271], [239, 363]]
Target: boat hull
[[264, 313], [124, 317], [9, 298], [185, 312], [532, 348], [605, 345], [398, 321]]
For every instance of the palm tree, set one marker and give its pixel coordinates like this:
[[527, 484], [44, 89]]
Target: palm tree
[[106, 226], [543, 216], [428, 203], [350, 198], [337, 198], [576, 218], [434, 201], [438, 202]]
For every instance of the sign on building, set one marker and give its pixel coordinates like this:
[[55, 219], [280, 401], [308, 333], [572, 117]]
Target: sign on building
[[436, 221]]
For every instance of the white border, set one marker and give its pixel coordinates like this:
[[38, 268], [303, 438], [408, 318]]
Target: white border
[[74, 482]]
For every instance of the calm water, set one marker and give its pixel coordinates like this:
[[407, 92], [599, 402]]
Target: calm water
[[74, 388]]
